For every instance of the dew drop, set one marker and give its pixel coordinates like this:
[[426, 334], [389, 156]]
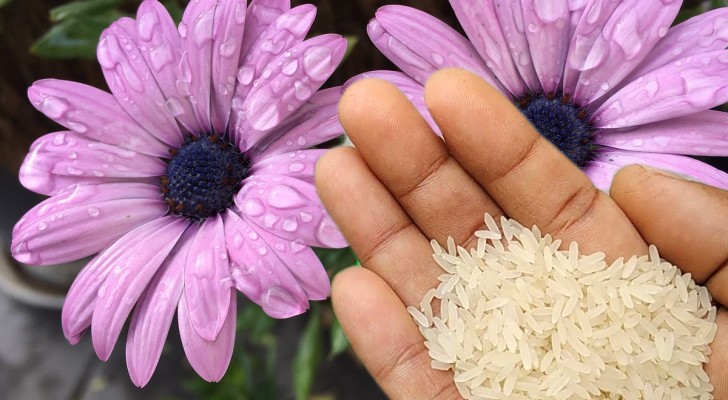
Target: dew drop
[[317, 62], [59, 139], [253, 207], [54, 108], [306, 216], [93, 212], [77, 126], [253, 236], [301, 91], [269, 220], [296, 167], [228, 48], [72, 155], [285, 197], [280, 246], [327, 233], [290, 224], [74, 171], [262, 250], [662, 31], [290, 68], [532, 28], [438, 58], [174, 106], [605, 86], [42, 226], [246, 74]]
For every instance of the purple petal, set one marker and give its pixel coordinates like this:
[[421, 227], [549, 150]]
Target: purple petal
[[299, 164], [196, 30], [699, 134], [302, 263], [83, 220], [286, 84], [70, 154], [259, 273], [414, 91], [132, 271], [681, 88], [315, 122], [289, 208], [607, 162], [161, 48], [704, 33], [577, 9], [287, 31], [510, 19], [626, 39], [261, 13], [94, 113], [586, 33], [547, 24], [479, 21], [81, 300], [229, 24], [210, 359], [132, 83], [154, 312], [207, 279], [420, 44]]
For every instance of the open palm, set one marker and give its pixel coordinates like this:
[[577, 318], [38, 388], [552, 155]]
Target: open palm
[[403, 186]]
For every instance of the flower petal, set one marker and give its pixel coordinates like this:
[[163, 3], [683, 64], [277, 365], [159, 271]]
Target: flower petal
[[76, 222], [701, 34], [70, 154], [210, 359], [132, 83], [287, 31], [477, 19], [127, 279], [315, 122], [303, 264], [626, 39], [82, 297], [299, 164], [153, 314], [161, 48], [607, 162], [227, 37], [586, 33], [684, 87], [699, 134], [261, 13], [196, 30], [207, 279], [289, 83], [547, 24], [258, 273], [94, 113], [510, 19], [414, 91], [420, 44], [289, 208]]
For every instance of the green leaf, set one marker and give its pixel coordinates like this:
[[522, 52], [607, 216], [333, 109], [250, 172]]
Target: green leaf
[[74, 38], [4, 3], [335, 260], [83, 8], [351, 42], [308, 357], [339, 342]]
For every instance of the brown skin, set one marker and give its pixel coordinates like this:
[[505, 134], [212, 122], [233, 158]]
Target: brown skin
[[407, 186]]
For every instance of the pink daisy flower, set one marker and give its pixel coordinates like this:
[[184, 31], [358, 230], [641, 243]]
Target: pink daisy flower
[[607, 81], [192, 179]]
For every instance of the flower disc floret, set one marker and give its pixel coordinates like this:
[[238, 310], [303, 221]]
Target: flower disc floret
[[203, 177]]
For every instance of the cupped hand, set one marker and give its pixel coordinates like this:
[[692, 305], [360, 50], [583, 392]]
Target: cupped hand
[[403, 186]]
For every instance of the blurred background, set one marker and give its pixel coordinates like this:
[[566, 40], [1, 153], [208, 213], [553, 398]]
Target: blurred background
[[302, 358]]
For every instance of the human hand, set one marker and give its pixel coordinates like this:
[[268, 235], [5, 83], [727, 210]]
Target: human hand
[[403, 186]]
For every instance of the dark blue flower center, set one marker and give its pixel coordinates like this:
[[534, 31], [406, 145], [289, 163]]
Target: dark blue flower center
[[562, 123], [203, 177]]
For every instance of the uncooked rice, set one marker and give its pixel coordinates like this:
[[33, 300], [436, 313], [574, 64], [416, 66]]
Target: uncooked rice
[[520, 319]]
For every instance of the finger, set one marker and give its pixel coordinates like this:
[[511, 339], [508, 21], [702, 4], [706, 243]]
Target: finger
[[718, 361], [378, 230], [526, 175], [413, 163], [687, 221], [386, 338]]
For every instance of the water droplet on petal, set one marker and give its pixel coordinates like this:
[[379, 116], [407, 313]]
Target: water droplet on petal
[[306, 216], [42, 226], [72, 155], [285, 197], [438, 59], [246, 74], [59, 139], [174, 106], [269, 220], [290, 224], [302, 92], [53, 107], [262, 250], [228, 48], [77, 126], [253, 207], [74, 171], [93, 212], [296, 167], [327, 233], [317, 62], [290, 68]]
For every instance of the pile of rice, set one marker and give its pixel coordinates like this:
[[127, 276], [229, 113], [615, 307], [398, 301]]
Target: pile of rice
[[520, 319]]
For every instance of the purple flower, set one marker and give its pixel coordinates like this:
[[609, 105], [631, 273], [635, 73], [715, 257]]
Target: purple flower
[[191, 180], [607, 81]]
